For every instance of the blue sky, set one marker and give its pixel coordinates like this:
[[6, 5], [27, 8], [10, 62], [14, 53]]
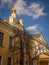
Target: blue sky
[[34, 13]]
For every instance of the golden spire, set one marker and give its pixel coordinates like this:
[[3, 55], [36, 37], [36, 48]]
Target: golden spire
[[13, 10]]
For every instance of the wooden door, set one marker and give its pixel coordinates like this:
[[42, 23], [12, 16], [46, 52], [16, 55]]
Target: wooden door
[[43, 63]]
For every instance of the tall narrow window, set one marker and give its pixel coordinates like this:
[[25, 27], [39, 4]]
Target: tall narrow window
[[0, 59], [9, 61], [27, 62], [1, 39], [10, 42]]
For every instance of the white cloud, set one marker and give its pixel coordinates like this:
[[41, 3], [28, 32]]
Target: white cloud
[[35, 29], [34, 10], [9, 3], [20, 6]]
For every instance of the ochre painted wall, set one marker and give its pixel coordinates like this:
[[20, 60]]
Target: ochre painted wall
[[4, 50]]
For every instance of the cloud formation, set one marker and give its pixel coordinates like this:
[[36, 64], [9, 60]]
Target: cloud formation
[[35, 29], [9, 3], [35, 10]]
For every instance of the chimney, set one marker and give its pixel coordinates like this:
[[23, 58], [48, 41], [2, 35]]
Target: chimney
[[13, 16]]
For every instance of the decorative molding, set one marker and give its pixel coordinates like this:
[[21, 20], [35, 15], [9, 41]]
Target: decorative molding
[[6, 31]]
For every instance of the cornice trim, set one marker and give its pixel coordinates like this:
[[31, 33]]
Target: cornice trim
[[6, 31]]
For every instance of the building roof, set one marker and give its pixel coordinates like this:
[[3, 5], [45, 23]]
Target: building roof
[[14, 26], [39, 38]]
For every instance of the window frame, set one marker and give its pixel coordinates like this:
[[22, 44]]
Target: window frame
[[10, 60], [1, 44], [1, 60], [10, 45]]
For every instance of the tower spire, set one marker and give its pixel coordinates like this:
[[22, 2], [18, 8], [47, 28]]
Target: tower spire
[[13, 12], [13, 16]]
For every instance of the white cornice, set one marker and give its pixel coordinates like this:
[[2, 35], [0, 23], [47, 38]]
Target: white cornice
[[6, 31], [7, 24]]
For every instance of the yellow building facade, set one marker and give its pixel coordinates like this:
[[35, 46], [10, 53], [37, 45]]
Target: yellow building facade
[[6, 32], [13, 45], [12, 38], [18, 47], [41, 50]]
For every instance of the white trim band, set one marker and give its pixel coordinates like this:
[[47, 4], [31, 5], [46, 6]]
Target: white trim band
[[6, 31]]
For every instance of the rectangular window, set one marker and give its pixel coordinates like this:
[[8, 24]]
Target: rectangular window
[[0, 59], [9, 61], [1, 39], [27, 62], [10, 42]]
